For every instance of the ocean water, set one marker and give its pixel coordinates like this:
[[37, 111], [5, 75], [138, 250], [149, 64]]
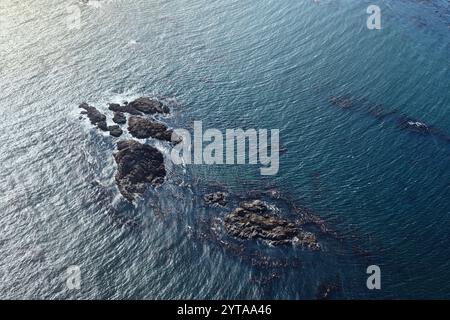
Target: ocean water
[[250, 64]]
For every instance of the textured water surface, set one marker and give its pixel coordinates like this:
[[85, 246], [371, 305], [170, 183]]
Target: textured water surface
[[229, 63]]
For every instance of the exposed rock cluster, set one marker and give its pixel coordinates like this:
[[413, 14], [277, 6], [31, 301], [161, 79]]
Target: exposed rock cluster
[[256, 220], [219, 198], [95, 117], [138, 165], [140, 106]]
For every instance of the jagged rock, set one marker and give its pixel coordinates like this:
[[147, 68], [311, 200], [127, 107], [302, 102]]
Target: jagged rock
[[255, 220], [124, 109], [143, 105], [119, 118], [143, 128], [115, 131], [93, 114], [216, 197], [138, 165], [102, 125], [148, 106]]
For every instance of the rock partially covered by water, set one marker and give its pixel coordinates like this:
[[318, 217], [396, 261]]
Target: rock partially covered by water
[[124, 109], [216, 197], [115, 131], [143, 128], [413, 125], [255, 220], [148, 106], [138, 165], [95, 116], [119, 118], [143, 105], [102, 125]]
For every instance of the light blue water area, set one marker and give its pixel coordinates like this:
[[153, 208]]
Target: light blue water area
[[249, 64]]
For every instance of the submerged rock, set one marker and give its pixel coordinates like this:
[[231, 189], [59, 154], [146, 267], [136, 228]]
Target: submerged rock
[[138, 165], [115, 131], [326, 290], [379, 112], [216, 197], [143, 128], [95, 116], [255, 220], [119, 118], [342, 102], [413, 125], [392, 116]]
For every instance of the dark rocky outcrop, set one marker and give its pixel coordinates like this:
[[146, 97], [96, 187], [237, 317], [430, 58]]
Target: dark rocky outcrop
[[95, 116], [143, 105], [216, 197], [119, 118], [115, 131], [143, 128], [139, 127], [99, 119], [102, 126], [138, 165], [256, 220], [124, 109], [148, 106]]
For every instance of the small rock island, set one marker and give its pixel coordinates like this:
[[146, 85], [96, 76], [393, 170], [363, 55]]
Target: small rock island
[[138, 165], [255, 220]]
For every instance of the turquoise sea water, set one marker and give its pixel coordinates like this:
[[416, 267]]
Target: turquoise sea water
[[249, 64]]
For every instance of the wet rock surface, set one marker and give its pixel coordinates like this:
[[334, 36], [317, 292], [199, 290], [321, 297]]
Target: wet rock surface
[[219, 198], [138, 166], [119, 118], [102, 125], [143, 128], [124, 109], [138, 126], [256, 220], [140, 106], [94, 116], [115, 131], [148, 106]]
